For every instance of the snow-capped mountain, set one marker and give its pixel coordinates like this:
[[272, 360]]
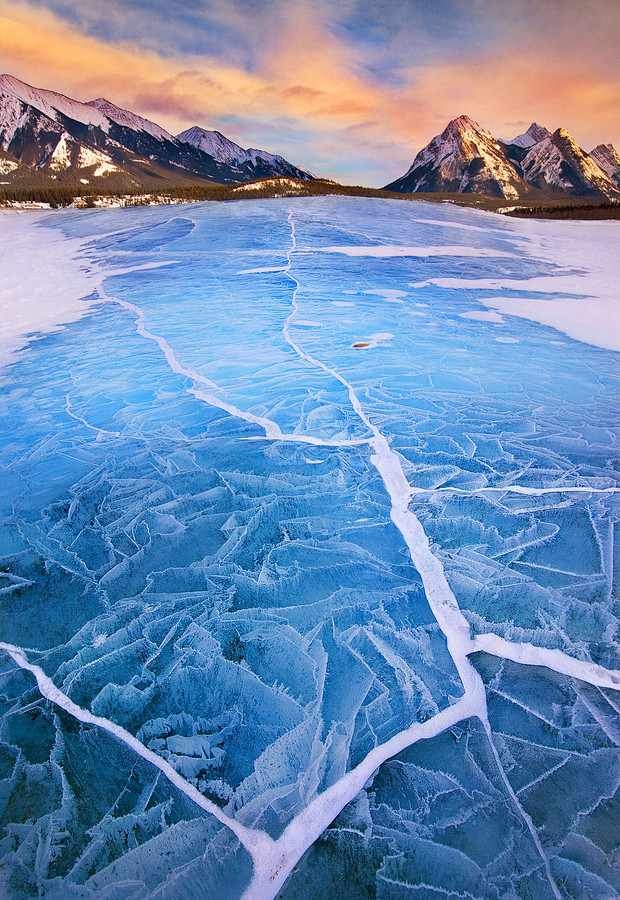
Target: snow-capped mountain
[[213, 142], [128, 119], [558, 163], [256, 163], [465, 158], [38, 130], [52, 104], [45, 135], [608, 160], [533, 134]]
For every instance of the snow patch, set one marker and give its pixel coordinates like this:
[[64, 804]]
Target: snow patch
[[61, 157], [389, 250], [43, 282]]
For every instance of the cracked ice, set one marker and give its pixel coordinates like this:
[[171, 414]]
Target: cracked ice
[[280, 618]]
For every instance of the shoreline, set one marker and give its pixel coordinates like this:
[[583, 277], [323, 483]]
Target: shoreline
[[555, 208]]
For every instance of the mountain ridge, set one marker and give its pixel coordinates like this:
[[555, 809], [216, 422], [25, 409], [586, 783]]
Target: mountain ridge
[[48, 138], [536, 164], [223, 149]]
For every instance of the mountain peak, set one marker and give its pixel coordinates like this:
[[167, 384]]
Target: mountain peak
[[464, 158], [530, 137], [608, 160], [214, 143], [605, 147], [464, 124], [128, 119], [258, 162], [558, 163]]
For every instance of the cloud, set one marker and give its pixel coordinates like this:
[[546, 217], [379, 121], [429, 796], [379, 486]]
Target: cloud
[[502, 89], [343, 89], [300, 90]]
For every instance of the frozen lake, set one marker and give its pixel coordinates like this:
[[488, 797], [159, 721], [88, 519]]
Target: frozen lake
[[307, 515]]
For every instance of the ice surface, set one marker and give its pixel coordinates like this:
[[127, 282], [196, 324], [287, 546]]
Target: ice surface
[[254, 580]]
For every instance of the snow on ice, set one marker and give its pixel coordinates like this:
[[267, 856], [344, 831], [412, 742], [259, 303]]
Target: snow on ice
[[279, 616]]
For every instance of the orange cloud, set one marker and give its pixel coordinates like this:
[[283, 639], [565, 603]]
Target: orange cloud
[[507, 88], [311, 83]]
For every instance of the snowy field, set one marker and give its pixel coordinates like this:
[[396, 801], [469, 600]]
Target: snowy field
[[307, 536]]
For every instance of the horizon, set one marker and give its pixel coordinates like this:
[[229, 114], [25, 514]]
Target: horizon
[[350, 92]]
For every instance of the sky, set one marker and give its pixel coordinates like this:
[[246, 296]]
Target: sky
[[349, 89]]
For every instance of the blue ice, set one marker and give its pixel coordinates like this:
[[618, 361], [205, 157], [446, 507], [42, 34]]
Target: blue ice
[[205, 541]]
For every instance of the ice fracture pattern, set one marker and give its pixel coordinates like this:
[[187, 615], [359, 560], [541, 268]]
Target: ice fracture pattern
[[306, 576]]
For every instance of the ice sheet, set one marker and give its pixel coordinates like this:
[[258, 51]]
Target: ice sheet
[[254, 580]]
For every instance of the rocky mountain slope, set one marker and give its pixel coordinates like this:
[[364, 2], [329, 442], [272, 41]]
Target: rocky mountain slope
[[464, 158], [608, 160], [250, 163], [47, 138], [536, 164]]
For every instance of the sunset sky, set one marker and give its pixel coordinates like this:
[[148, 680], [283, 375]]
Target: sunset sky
[[350, 89]]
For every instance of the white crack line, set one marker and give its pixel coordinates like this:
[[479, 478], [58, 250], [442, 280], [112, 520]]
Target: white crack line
[[272, 429], [526, 818], [274, 860], [256, 842], [556, 660], [516, 489]]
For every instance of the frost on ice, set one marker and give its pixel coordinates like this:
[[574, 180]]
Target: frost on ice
[[268, 601]]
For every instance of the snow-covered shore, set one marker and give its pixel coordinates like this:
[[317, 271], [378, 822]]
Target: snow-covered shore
[[587, 254], [44, 283]]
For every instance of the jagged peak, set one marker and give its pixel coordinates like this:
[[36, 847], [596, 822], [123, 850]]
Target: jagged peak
[[533, 135], [605, 148], [465, 123]]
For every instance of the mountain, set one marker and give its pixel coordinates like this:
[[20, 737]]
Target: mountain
[[55, 139], [559, 164], [465, 158], [533, 134], [213, 142], [47, 138], [252, 163], [608, 160], [129, 120]]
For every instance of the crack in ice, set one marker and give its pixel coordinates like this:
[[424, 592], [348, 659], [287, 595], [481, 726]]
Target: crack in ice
[[273, 860], [272, 429], [526, 818], [254, 840]]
